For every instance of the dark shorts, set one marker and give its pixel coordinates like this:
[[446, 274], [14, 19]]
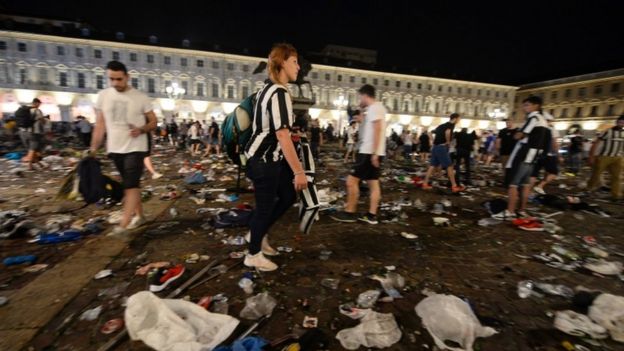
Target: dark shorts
[[549, 163], [425, 148], [130, 167], [36, 142], [440, 156], [364, 169], [518, 175], [195, 141]]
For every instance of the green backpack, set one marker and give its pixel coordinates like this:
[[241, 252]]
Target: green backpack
[[236, 130]]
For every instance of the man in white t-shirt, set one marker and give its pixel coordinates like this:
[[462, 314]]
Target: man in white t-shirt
[[372, 149], [125, 115]]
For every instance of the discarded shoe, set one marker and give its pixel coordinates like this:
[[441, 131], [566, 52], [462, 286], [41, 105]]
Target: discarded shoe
[[165, 276], [260, 262]]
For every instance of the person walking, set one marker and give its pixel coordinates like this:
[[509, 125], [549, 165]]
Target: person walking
[[424, 142], [85, 129], [272, 162], [214, 139], [549, 160], [316, 139], [407, 139], [506, 142], [532, 143], [440, 158], [351, 133], [126, 116], [372, 149], [465, 143], [610, 157]]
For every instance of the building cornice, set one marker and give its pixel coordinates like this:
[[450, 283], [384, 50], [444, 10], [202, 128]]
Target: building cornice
[[190, 52]]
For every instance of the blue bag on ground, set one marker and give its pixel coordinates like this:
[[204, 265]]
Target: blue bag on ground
[[233, 218], [195, 178]]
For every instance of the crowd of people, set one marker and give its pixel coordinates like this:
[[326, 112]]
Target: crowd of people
[[127, 124]]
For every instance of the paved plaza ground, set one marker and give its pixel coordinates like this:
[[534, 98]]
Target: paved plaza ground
[[481, 265]]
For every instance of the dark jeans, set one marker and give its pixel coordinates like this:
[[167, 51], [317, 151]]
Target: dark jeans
[[314, 147], [462, 154], [274, 193], [575, 160], [86, 139]]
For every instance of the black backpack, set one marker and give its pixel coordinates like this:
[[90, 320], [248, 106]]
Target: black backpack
[[24, 118], [93, 185]]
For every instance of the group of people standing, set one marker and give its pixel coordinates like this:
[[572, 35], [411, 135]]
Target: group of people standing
[[125, 116]]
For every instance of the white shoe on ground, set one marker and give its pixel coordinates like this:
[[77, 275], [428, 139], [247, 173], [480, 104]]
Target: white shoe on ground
[[259, 262]]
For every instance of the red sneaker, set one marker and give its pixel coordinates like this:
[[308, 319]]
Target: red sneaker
[[532, 227], [523, 221], [165, 276], [459, 188]]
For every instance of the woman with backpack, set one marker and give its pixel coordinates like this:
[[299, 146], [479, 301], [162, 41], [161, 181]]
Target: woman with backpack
[[272, 163]]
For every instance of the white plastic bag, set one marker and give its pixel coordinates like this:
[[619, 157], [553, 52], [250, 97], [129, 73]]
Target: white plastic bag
[[608, 311], [378, 330], [258, 306], [447, 317], [175, 325]]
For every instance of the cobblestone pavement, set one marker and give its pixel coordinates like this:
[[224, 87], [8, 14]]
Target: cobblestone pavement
[[480, 264]]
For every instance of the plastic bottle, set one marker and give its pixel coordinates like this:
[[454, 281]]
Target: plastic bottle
[[15, 260], [60, 237]]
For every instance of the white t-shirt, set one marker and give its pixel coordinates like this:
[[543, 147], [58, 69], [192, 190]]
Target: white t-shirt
[[374, 112], [121, 109], [407, 139], [194, 132], [351, 131]]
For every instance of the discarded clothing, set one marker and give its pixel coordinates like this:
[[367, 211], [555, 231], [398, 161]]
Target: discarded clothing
[[195, 178], [174, 325], [250, 343], [448, 317], [608, 312], [378, 330], [232, 218]]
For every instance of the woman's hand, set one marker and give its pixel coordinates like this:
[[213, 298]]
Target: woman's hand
[[301, 181]]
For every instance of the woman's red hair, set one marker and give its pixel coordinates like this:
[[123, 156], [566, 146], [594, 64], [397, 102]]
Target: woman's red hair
[[279, 54]]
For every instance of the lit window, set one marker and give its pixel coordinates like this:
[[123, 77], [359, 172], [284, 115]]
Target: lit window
[[200, 63]]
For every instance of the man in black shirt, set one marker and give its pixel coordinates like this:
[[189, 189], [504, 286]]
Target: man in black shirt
[[213, 139], [464, 143], [316, 139], [440, 157], [575, 151], [506, 142]]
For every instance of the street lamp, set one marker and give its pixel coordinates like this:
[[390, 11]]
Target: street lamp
[[175, 92], [497, 113], [340, 103]]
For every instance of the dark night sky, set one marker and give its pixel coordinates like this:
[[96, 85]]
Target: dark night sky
[[504, 42]]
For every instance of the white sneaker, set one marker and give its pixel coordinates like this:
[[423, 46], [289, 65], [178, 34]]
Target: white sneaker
[[156, 175], [118, 231], [259, 262], [136, 222], [115, 217], [504, 216], [577, 324], [539, 190], [267, 250]]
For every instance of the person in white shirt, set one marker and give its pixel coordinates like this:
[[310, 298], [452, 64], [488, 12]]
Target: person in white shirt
[[194, 136], [351, 135], [85, 130], [371, 151], [125, 115], [407, 144]]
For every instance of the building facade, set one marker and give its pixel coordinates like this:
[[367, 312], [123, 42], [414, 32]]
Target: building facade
[[66, 73], [592, 101]]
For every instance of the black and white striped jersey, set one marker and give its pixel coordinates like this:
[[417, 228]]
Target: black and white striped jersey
[[612, 142], [535, 141], [272, 112]]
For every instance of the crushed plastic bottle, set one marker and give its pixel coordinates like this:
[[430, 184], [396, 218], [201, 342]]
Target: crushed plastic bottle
[[368, 298], [525, 289], [330, 283], [488, 221], [565, 252], [91, 315], [173, 212], [247, 285], [559, 290]]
